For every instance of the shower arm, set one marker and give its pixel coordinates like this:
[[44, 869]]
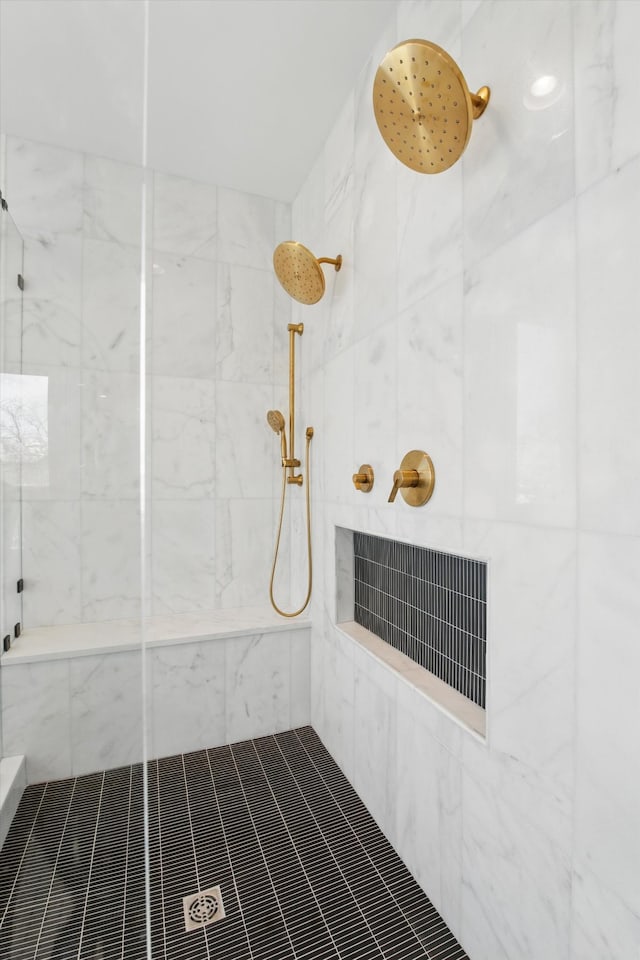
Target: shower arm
[[290, 462]]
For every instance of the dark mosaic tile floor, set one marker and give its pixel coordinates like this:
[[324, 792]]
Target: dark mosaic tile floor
[[305, 872]]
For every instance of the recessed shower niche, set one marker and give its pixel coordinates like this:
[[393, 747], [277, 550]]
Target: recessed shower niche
[[423, 612]]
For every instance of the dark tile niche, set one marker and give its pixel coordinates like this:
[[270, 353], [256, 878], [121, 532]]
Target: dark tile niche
[[432, 606]]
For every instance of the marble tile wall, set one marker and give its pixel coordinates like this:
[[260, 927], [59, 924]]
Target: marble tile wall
[[489, 316], [74, 716], [215, 364]]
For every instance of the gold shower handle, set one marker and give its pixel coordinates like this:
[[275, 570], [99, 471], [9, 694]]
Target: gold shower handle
[[415, 479], [403, 479], [363, 479]]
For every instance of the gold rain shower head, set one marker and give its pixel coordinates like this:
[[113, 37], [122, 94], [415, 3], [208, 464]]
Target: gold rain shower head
[[423, 107], [299, 271]]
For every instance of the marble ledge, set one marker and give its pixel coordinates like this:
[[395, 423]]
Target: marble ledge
[[463, 711], [89, 639]]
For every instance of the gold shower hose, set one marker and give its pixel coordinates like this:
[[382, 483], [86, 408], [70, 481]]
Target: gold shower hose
[[275, 606]]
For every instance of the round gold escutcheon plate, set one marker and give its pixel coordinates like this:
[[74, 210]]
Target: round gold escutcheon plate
[[421, 462]]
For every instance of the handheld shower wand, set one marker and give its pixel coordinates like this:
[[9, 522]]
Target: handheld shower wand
[[276, 421]]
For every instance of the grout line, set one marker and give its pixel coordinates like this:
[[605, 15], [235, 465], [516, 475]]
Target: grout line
[[193, 848], [346, 820], [262, 853], [302, 794], [160, 859], [226, 846], [125, 878], [293, 843], [24, 854], [55, 865], [93, 851]]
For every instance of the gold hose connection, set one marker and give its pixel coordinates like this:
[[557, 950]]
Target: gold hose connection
[[307, 458]]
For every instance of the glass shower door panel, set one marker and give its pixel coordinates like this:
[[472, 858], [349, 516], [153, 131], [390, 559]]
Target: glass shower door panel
[[13, 426]]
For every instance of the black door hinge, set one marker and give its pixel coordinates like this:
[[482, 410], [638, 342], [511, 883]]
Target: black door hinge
[[20, 585], [5, 205], [6, 643], [17, 630], [21, 281]]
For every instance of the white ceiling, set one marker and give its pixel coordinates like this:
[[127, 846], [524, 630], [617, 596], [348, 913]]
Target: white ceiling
[[242, 93]]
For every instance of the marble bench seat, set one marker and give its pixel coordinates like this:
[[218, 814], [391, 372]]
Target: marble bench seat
[[73, 698]]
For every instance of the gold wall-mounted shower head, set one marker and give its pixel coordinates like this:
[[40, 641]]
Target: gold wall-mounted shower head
[[423, 107], [299, 271]]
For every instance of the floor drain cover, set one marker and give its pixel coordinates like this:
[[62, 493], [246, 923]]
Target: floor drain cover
[[203, 908]]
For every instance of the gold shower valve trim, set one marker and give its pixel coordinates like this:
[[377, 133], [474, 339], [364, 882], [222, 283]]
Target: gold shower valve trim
[[363, 479], [415, 479], [423, 107]]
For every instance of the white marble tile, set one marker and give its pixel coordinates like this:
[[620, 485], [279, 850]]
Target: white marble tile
[[3, 162], [308, 211], [375, 413], [605, 83], [375, 740], [531, 634], [417, 798], [184, 217], [52, 329], [36, 718], [183, 557], [111, 333], [468, 9], [282, 221], [375, 206], [188, 697], [110, 435], [335, 326], [338, 679], [299, 678], [607, 839], [429, 235], [442, 17], [516, 864], [110, 559], [51, 562], [339, 449], [247, 450], [430, 394], [182, 327], [112, 200], [449, 774], [338, 162], [609, 389], [520, 378], [317, 686], [246, 229], [44, 188], [106, 711], [244, 325], [183, 454], [257, 684], [519, 163], [603, 926], [245, 537]]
